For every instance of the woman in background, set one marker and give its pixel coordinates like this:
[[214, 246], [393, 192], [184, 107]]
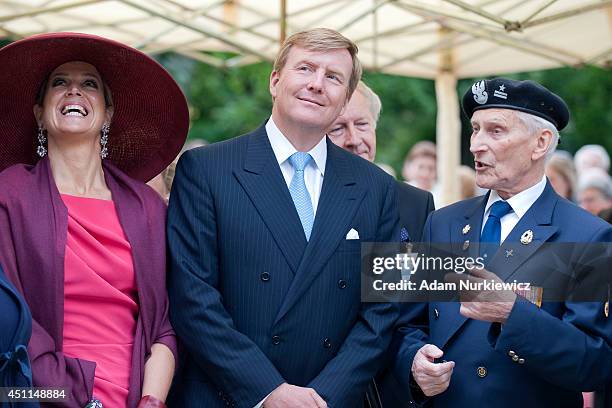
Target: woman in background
[[562, 175]]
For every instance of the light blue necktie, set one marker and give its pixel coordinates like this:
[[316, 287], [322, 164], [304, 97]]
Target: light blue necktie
[[491, 233], [299, 193]]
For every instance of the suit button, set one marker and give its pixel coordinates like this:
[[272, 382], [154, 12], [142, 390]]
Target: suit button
[[342, 284], [515, 358], [276, 340], [436, 313], [327, 343], [265, 276], [511, 353], [521, 361], [482, 372]]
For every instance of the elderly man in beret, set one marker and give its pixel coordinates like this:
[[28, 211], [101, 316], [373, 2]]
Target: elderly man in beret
[[509, 348]]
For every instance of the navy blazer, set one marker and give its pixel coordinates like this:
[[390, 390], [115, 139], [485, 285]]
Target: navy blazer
[[256, 305], [564, 347], [15, 368], [414, 206]]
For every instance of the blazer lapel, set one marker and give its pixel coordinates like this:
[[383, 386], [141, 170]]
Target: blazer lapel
[[471, 222], [340, 197], [465, 230], [538, 220], [263, 182]]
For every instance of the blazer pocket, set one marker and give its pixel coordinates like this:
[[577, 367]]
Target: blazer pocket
[[350, 245]]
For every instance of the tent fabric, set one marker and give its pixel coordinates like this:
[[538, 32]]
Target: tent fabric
[[403, 37]]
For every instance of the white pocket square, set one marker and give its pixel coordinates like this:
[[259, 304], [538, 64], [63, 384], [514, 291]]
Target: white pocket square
[[352, 234]]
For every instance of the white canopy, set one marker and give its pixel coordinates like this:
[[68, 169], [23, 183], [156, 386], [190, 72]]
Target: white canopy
[[438, 39]]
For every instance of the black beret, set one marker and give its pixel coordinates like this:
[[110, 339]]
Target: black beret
[[524, 96]]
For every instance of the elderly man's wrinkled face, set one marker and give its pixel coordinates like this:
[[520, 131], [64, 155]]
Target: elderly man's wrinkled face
[[310, 90], [355, 129], [74, 101], [504, 152]]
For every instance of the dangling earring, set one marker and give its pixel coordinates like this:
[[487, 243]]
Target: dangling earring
[[104, 140], [41, 150]]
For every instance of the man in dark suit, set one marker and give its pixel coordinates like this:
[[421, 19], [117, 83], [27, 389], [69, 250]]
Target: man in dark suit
[[355, 131], [264, 235], [496, 347]]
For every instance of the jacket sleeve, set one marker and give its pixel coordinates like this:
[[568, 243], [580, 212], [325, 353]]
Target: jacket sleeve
[[572, 350], [50, 368], [197, 312], [345, 377]]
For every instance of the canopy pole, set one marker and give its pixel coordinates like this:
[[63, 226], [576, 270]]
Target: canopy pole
[[283, 21], [448, 128]]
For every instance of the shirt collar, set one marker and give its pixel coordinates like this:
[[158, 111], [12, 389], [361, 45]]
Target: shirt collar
[[283, 148], [522, 201]]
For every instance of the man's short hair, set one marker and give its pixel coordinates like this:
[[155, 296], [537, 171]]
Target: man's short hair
[[535, 125], [321, 39], [598, 151], [374, 103]]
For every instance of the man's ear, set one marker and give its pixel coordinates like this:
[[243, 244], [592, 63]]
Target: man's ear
[[543, 142], [274, 78]]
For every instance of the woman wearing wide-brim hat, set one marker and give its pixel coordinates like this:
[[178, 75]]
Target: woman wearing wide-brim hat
[[84, 122]]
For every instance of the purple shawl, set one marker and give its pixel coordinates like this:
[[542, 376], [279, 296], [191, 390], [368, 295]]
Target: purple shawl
[[33, 230]]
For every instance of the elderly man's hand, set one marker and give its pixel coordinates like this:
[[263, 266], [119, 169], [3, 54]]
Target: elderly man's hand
[[292, 396], [486, 305], [432, 378]]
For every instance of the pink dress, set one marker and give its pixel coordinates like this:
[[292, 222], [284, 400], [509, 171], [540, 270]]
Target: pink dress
[[100, 297]]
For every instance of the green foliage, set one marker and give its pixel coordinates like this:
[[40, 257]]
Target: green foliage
[[223, 102], [408, 115]]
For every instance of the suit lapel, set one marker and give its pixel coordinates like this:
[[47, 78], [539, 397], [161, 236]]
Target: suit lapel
[[538, 220], [449, 311], [465, 230], [340, 197], [263, 182]]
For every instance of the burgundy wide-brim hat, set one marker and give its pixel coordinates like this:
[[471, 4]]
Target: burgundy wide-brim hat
[[150, 120]]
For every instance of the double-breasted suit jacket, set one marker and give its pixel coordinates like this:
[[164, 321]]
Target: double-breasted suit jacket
[[253, 302]]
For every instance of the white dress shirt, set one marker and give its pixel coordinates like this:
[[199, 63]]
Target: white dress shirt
[[314, 171], [520, 203]]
